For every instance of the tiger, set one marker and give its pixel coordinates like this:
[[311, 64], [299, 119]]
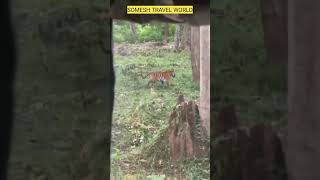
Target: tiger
[[161, 76]]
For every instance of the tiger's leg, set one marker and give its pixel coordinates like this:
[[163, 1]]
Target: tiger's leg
[[166, 83], [162, 80], [150, 82]]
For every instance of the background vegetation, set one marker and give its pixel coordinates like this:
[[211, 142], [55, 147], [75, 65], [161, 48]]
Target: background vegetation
[[145, 32]]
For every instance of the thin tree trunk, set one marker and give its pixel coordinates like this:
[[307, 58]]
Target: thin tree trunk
[[165, 33], [177, 37], [133, 28], [185, 37], [195, 52], [205, 77]]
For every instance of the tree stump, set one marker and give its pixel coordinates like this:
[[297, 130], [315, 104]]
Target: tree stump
[[246, 153], [185, 134]]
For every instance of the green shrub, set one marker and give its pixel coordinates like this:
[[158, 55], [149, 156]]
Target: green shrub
[[145, 32]]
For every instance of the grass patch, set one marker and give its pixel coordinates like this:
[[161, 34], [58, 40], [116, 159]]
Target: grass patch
[[141, 114]]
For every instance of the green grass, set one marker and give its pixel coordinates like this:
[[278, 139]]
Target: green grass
[[141, 113]]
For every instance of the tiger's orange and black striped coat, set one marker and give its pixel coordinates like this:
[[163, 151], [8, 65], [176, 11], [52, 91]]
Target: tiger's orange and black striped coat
[[161, 76]]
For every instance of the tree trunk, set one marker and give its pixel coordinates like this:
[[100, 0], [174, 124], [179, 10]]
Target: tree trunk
[[205, 77], [303, 157], [133, 28], [195, 52], [177, 37], [166, 33], [275, 19], [185, 37]]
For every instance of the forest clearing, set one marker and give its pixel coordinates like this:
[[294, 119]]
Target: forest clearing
[[142, 112]]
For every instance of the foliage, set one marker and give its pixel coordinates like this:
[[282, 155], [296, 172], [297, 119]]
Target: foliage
[[145, 32]]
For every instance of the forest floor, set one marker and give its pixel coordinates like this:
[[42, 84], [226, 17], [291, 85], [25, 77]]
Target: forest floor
[[141, 113]]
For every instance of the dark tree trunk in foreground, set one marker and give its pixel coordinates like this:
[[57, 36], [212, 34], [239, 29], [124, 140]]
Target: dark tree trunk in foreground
[[60, 103], [275, 20], [248, 154], [303, 157]]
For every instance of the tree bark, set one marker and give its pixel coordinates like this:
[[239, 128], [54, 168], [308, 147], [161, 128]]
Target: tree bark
[[303, 157], [177, 37], [195, 53], [133, 28], [185, 37], [166, 33], [205, 77], [275, 20]]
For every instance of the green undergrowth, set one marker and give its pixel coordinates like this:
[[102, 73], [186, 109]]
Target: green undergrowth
[[141, 116], [145, 32]]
